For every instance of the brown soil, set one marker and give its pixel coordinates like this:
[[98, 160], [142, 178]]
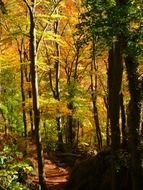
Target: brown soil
[[55, 176]]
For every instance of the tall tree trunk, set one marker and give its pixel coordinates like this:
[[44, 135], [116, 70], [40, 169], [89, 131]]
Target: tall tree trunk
[[72, 85], [70, 126], [23, 101], [27, 73], [134, 121], [20, 49], [34, 80], [114, 83], [93, 77], [28, 80], [30, 111], [123, 118], [107, 121], [57, 91]]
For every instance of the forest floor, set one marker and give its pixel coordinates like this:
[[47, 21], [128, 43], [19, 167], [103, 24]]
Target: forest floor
[[55, 176]]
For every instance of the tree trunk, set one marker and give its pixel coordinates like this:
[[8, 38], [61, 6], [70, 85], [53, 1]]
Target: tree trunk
[[123, 118], [56, 89], [70, 127], [23, 101], [28, 80], [20, 49], [114, 83], [93, 79], [60, 136], [57, 66], [107, 121], [72, 85], [31, 114], [134, 121], [34, 80]]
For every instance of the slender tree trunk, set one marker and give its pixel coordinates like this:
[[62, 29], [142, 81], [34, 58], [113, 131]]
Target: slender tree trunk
[[60, 136], [22, 89], [27, 73], [93, 77], [56, 89], [123, 118], [57, 66], [28, 80], [23, 101], [34, 80], [107, 122], [72, 85], [107, 130], [114, 83], [31, 114], [77, 133], [70, 127]]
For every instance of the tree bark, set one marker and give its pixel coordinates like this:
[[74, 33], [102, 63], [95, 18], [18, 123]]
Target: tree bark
[[93, 79], [34, 80], [72, 81], [27, 73], [114, 83], [23, 101], [57, 91], [20, 49], [123, 119], [107, 121], [134, 121]]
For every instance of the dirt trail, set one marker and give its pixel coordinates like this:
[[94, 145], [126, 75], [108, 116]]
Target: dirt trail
[[55, 176]]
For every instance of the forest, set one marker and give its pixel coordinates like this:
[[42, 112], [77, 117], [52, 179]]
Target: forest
[[71, 94]]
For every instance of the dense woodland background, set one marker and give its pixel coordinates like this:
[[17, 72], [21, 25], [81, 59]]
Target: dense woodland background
[[71, 82]]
